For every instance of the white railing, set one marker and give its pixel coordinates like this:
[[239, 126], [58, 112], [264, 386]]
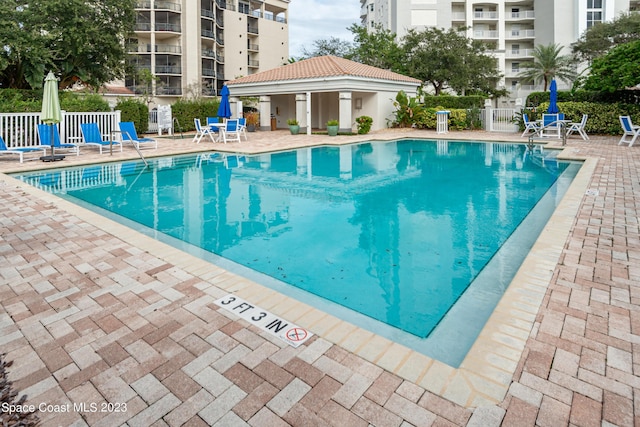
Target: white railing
[[21, 129]]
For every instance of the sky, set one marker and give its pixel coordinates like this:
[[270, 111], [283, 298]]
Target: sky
[[311, 20]]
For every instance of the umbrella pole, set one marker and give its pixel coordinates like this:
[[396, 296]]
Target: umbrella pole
[[53, 148]]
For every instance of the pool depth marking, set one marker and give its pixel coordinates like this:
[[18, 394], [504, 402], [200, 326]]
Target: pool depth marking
[[288, 332]]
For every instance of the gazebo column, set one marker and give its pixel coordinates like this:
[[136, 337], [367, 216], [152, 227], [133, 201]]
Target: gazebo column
[[301, 111], [345, 111], [264, 108]]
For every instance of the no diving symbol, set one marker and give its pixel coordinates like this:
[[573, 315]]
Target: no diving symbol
[[296, 334]]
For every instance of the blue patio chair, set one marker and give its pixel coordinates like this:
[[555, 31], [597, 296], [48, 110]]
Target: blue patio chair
[[529, 126], [129, 134], [230, 131], [20, 150], [44, 133], [92, 136], [242, 127], [550, 125], [629, 131]]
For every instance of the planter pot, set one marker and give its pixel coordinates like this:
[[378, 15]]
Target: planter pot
[[332, 130], [295, 129], [251, 128]]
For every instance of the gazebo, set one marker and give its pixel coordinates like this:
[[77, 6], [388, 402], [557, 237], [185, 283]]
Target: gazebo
[[323, 88]]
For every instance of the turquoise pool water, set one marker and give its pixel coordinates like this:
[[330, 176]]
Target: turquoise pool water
[[391, 235]]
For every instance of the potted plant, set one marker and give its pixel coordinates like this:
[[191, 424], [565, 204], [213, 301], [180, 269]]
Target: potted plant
[[332, 127], [253, 120], [294, 126]]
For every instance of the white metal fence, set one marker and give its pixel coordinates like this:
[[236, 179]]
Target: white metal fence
[[21, 129], [500, 120]]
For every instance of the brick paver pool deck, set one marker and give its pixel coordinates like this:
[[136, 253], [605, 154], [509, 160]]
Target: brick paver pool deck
[[108, 327]]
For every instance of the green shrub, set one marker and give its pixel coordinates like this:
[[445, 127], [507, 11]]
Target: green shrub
[[187, 110], [136, 111], [364, 124], [454, 102], [603, 118], [83, 103]]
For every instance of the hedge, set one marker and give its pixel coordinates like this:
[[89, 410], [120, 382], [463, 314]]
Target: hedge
[[459, 102], [187, 110], [603, 118], [619, 97]]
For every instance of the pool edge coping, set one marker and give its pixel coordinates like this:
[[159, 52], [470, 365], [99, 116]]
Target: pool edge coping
[[487, 371]]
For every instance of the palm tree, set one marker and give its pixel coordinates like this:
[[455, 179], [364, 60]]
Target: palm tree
[[547, 65]]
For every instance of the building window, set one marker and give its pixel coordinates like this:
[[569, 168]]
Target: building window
[[243, 8], [594, 12], [515, 67], [371, 7]]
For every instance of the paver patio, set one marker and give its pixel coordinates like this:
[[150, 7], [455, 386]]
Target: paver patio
[[93, 314]]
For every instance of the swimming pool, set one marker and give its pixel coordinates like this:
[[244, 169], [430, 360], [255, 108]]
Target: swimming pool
[[389, 235]]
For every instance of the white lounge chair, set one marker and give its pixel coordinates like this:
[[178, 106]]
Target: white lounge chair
[[579, 127], [20, 150], [201, 131], [630, 131]]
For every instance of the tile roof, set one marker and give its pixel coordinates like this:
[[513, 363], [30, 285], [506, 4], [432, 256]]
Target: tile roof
[[323, 66]]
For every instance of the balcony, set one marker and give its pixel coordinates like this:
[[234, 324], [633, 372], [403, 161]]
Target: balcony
[[168, 69], [252, 29], [143, 5], [142, 26], [167, 26], [167, 5], [252, 46], [485, 34], [208, 72], [458, 16], [207, 13], [254, 63], [485, 16], [522, 15], [209, 53], [519, 53], [208, 34], [168, 90], [520, 34]]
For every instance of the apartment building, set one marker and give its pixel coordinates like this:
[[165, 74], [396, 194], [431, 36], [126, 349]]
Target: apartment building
[[511, 28], [192, 47]]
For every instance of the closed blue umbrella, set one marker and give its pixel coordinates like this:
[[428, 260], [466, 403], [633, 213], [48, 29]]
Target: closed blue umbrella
[[51, 113], [224, 110], [553, 98]]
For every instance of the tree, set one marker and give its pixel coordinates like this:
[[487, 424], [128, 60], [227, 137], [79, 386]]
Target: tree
[[333, 46], [617, 69], [378, 48], [450, 59], [599, 39], [80, 40], [547, 65]]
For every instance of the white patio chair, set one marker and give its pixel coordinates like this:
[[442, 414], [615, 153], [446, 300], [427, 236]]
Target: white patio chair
[[579, 127], [630, 131], [529, 126], [201, 131]]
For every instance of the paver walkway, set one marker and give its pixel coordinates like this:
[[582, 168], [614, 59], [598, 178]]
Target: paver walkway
[[104, 332]]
